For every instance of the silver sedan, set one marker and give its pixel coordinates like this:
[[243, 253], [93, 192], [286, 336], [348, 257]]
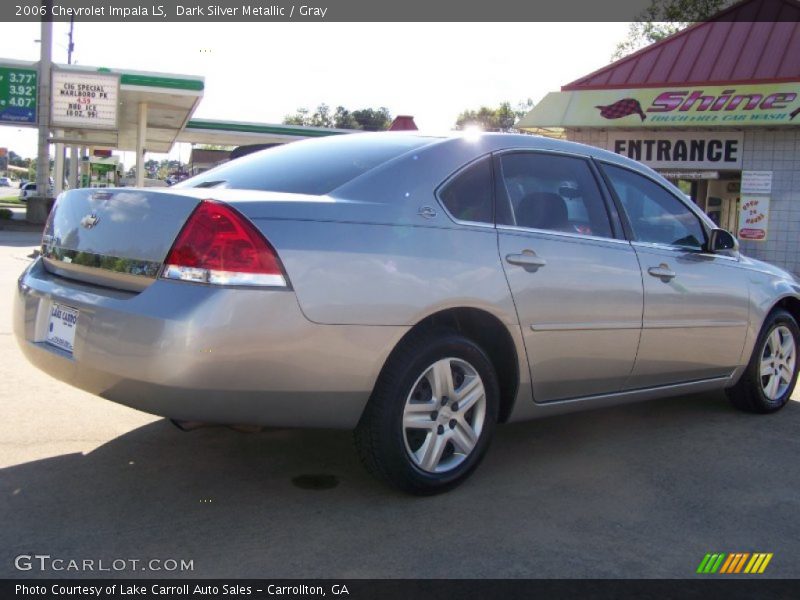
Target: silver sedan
[[416, 289]]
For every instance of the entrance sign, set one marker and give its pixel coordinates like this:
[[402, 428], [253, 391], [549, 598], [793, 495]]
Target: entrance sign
[[756, 182], [753, 218], [84, 100], [767, 105], [689, 150], [18, 95]]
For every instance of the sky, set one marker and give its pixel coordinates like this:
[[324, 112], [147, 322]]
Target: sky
[[265, 71]]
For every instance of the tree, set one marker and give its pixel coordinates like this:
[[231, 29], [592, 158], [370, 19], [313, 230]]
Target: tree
[[368, 119], [343, 119], [151, 166], [16, 160], [169, 167], [322, 116], [664, 18], [501, 118], [299, 118]]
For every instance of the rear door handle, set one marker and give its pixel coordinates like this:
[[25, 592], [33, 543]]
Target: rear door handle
[[663, 272], [527, 259]]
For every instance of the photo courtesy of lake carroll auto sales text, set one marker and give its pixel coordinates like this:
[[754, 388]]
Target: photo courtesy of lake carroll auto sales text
[[418, 300]]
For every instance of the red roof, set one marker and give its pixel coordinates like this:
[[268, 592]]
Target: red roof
[[403, 123], [755, 41]]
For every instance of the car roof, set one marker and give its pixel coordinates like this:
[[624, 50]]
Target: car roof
[[446, 153], [485, 142]]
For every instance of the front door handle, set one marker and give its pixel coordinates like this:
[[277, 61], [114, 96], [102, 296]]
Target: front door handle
[[527, 259], [663, 272]]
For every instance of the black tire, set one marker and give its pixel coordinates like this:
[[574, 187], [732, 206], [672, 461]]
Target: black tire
[[380, 438], [748, 394]]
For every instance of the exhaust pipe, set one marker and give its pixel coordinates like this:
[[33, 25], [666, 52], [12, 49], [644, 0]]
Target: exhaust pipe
[[192, 425], [189, 425]]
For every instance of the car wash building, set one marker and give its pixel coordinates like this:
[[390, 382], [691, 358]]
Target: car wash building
[[715, 109]]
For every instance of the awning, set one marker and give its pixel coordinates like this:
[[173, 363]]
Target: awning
[[765, 105]]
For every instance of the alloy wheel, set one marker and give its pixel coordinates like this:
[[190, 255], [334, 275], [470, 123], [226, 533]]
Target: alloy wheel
[[444, 415], [777, 362]]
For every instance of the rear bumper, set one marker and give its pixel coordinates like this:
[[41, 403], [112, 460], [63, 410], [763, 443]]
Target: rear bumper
[[201, 353]]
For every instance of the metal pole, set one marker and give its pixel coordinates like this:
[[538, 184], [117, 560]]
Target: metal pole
[[61, 151], [74, 167], [58, 171], [37, 207], [71, 45], [141, 140]]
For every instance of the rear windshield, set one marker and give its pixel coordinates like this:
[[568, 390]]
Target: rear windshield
[[308, 167]]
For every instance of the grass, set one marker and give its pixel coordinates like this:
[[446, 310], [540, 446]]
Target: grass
[[10, 197]]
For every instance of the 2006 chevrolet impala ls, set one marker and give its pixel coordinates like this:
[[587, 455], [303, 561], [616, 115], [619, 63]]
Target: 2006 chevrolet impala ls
[[417, 289]]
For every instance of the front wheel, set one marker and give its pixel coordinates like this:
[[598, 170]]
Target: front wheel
[[770, 377], [431, 415]]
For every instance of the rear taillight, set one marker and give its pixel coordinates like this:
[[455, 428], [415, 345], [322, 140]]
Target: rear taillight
[[217, 245]]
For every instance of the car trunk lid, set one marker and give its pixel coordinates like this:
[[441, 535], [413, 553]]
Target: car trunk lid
[[113, 237]]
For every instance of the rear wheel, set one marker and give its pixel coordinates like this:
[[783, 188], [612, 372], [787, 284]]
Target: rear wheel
[[431, 415], [770, 377]]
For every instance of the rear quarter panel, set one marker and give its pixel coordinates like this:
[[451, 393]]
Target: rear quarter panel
[[368, 274]]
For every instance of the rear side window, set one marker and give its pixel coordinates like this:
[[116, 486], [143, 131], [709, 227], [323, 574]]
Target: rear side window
[[553, 193], [308, 167], [468, 196], [655, 215]]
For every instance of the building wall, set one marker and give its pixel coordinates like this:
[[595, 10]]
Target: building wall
[[777, 151]]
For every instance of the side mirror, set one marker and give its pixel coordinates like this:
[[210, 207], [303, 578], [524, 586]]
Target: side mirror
[[721, 240]]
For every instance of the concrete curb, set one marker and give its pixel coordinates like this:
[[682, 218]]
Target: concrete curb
[[14, 225]]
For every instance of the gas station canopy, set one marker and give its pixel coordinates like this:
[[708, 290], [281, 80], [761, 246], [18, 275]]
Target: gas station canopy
[[169, 100], [129, 110], [238, 133]]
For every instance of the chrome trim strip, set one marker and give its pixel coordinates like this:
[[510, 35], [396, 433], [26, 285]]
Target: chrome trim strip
[[565, 234], [101, 277], [567, 153], [692, 324], [598, 326], [641, 393], [655, 246], [606, 325], [115, 264]]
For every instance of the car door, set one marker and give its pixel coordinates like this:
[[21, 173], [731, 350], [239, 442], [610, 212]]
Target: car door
[[695, 302], [576, 282]]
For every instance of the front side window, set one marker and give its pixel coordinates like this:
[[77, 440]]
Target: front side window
[[552, 192], [468, 196], [655, 215]]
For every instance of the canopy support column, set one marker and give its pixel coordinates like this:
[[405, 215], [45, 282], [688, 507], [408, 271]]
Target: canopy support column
[[141, 137], [74, 167], [58, 175]]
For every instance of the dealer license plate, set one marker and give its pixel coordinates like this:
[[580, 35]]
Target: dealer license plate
[[61, 329]]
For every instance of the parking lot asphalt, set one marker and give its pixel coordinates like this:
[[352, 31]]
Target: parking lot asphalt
[[635, 491]]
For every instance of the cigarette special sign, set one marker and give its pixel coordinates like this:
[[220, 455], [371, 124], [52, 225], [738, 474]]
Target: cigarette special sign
[[86, 100], [688, 150], [680, 106]]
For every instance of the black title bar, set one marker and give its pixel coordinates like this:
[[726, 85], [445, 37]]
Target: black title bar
[[732, 588], [254, 11]]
